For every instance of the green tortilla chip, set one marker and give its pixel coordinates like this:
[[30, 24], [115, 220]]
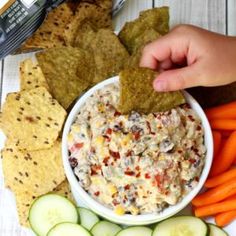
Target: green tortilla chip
[[110, 55], [157, 19], [143, 39], [98, 16], [31, 75], [68, 71], [137, 93], [50, 33], [30, 174], [33, 118]]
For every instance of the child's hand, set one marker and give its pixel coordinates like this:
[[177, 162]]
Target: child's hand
[[189, 56]]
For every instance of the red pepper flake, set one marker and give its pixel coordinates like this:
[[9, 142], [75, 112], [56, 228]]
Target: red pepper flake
[[105, 160], [137, 168], [159, 179], [199, 128], [95, 169], [97, 193], [115, 202], [117, 113], [130, 173], [149, 127], [147, 176], [79, 145], [136, 135], [191, 118], [192, 161], [129, 153], [107, 138], [109, 131], [127, 187], [196, 178], [138, 175], [115, 155]]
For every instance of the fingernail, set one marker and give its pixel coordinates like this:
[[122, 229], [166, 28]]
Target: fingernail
[[160, 85]]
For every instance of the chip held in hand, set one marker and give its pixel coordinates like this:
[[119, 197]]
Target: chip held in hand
[[137, 93]]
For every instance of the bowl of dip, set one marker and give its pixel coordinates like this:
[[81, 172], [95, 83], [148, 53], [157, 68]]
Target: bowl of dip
[[135, 169]]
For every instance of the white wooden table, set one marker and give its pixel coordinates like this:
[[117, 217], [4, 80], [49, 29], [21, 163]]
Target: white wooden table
[[215, 15]]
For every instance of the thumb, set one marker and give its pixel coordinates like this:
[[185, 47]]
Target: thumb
[[177, 79]]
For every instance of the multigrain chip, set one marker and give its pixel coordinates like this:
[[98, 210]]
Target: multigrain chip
[[148, 36], [30, 174], [110, 55], [98, 16], [31, 75], [137, 93], [64, 189], [50, 33], [157, 19], [68, 71], [33, 118]]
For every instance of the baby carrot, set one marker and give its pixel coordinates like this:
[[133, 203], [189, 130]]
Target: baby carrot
[[212, 209], [216, 194], [224, 218], [225, 133], [220, 179], [216, 141], [225, 157], [223, 124], [226, 111]]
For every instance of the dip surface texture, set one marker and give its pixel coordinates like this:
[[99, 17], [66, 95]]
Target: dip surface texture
[[135, 163]]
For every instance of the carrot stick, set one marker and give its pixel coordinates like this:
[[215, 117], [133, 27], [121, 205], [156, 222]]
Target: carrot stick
[[220, 179], [212, 209], [216, 194], [223, 124], [225, 133], [225, 157], [226, 111], [216, 141], [224, 218], [231, 197]]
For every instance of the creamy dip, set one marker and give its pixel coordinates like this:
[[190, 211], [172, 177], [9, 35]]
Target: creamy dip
[[135, 163]]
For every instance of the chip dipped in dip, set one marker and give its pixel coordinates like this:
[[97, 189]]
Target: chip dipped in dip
[[136, 163]]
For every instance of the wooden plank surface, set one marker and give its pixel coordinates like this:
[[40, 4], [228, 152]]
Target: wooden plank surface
[[207, 14], [231, 17], [131, 11]]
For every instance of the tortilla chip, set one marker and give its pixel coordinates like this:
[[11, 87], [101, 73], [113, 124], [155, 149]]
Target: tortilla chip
[[50, 33], [110, 55], [137, 93], [157, 19], [64, 190], [98, 16], [148, 36], [31, 75], [68, 71], [33, 118], [214, 96]]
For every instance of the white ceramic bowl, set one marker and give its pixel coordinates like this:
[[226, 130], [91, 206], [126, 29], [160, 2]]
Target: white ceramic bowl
[[83, 198]]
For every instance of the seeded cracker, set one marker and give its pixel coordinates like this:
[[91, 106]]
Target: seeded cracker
[[31, 75], [50, 32], [33, 118], [137, 93], [68, 71], [98, 16], [157, 19], [30, 174]]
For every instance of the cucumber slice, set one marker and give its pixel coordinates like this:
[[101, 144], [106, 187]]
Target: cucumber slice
[[68, 229], [135, 231], [182, 226], [87, 218], [216, 231], [49, 210], [105, 228]]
